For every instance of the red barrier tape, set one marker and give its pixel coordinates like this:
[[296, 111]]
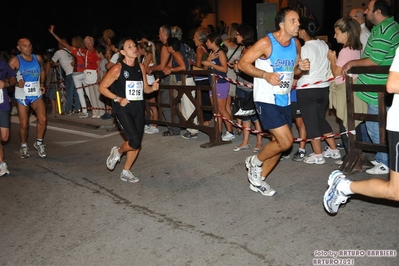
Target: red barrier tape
[[352, 132], [79, 88], [250, 85], [96, 108]]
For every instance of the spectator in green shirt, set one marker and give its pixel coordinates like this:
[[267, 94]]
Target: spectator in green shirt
[[379, 51]]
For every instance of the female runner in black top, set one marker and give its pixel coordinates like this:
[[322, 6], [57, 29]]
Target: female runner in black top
[[125, 83]]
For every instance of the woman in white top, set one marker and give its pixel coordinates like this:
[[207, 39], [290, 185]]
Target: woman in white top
[[312, 95]]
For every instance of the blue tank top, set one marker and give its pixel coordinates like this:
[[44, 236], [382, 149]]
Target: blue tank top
[[283, 60], [216, 61], [30, 71]]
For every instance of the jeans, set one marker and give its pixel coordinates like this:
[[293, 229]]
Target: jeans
[[71, 94], [363, 135], [374, 134]]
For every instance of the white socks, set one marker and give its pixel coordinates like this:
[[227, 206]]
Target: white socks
[[256, 161], [345, 186]]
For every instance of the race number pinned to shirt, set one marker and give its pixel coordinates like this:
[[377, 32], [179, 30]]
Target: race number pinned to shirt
[[286, 79], [282, 91], [32, 88], [1, 96], [134, 90]]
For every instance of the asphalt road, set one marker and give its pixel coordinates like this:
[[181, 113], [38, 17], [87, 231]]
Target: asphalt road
[[192, 206]]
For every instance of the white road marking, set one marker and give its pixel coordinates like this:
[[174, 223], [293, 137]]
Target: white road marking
[[32, 118], [70, 143], [81, 133]]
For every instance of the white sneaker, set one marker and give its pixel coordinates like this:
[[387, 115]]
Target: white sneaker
[[256, 182], [254, 171], [24, 152], [83, 115], [129, 176], [151, 130], [41, 149], [339, 162], [379, 169], [113, 158], [329, 153], [3, 169], [313, 159], [333, 198], [374, 162], [264, 189], [14, 111], [228, 136]]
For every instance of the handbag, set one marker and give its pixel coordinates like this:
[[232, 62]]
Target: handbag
[[244, 106], [90, 76]]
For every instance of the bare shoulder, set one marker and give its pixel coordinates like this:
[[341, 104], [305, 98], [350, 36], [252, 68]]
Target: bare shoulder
[[262, 46], [117, 67], [297, 42], [115, 70], [164, 49], [39, 58]]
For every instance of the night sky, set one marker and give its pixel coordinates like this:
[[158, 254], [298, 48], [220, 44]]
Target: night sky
[[127, 18], [130, 18]]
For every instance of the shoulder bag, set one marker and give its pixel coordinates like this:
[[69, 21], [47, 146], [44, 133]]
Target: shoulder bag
[[90, 74]]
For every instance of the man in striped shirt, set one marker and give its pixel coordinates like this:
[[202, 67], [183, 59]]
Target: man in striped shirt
[[340, 188], [379, 51]]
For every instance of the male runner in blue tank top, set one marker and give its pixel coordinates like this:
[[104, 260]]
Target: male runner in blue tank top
[[276, 58], [29, 89]]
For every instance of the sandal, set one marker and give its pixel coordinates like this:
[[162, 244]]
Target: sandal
[[167, 133]]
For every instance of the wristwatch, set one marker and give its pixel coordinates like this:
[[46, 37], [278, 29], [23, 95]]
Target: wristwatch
[[116, 99]]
